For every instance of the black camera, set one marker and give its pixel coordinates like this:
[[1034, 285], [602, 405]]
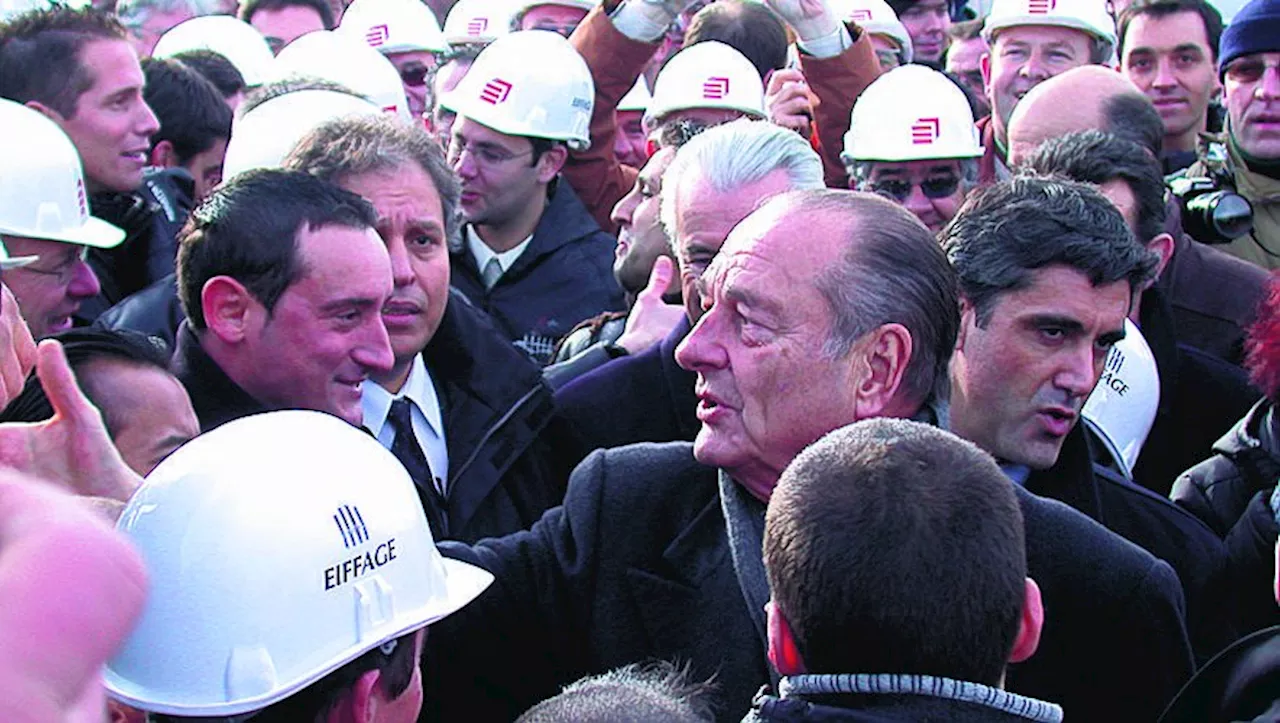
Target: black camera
[[1210, 213]]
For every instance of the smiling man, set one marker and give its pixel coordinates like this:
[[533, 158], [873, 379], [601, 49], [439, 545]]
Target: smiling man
[[283, 281]]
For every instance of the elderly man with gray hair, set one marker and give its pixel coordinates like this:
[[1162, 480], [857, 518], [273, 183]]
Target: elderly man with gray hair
[[715, 180], [466, 413]]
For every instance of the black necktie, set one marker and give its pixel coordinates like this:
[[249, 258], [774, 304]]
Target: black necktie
[[409, 452]]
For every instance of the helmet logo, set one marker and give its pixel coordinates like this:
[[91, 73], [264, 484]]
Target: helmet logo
[[351, 525], [477, 26], [495, 91], [861, 15], [925, 131], [81, 200], [716, 88], [377, 35], [1041, 7]]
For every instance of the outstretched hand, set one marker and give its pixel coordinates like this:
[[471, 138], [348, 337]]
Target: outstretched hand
[[72, 449], [809, 18], [789, 102], [651, 318], [17, 349]]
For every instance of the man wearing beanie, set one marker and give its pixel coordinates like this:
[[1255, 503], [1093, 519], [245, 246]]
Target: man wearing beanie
[[1247, 155]]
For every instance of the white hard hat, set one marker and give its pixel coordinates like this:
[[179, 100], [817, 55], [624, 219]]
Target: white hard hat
[[709, 74], [235, 40], [524, 5], [877, 18], [477, 21], [1123, 405], [263, 137], [350, 62], [1089, 16], [279, 547], [394, 26], [638, 98], [531, 83], [911, 113], [42, 193]]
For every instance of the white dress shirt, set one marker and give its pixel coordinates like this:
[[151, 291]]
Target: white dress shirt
[[481, 252], [428, 423]]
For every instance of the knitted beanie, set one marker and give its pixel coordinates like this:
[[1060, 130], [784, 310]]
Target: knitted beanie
[[1255, 29]]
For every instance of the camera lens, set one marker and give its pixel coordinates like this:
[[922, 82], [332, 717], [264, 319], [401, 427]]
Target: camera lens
[[1218, 216]]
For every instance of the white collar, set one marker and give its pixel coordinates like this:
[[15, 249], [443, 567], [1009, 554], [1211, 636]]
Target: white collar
[[482, 253], [418, 388]]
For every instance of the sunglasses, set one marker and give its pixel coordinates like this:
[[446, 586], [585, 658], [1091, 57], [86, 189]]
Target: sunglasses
[[935, 187], [415, 75]]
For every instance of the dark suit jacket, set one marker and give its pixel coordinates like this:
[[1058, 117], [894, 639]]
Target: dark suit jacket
[[636, 565], [641, 398]]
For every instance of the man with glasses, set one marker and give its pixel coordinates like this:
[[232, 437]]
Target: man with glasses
[[531, 255], [556, 16], [1247, 156], [912, 140]]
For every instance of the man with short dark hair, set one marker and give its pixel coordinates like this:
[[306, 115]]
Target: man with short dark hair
[[217, 70], [928, 22], [909, 541], [1048, 272], [283, 280], [195, 125], [283, 21], [1169, 49]]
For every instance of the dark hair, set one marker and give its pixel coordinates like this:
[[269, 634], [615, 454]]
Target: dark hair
[[314, 702], [216, 69], [1096, 157], [895, 547], [1263, 344], [1132, 117], [275, 89], [192, 113], [82, 347], [321, 7], [248, 229], [1005, 232], [40, 55], [1163, 8], [655, 693], [965, 30], [751, 28], [352, 146], [891, 271]]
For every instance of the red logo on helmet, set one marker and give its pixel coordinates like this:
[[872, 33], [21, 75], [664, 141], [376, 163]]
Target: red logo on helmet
[[495, 91], [715, 88], [861, 15], [477, 26], [81, 200], [1041, 7], [377, 35], [925, 131]]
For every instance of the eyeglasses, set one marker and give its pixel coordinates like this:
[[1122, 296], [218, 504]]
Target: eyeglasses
[[484, 154], [1247, 70], [935, 187], [65, 270], [415, 75], [565, 30]]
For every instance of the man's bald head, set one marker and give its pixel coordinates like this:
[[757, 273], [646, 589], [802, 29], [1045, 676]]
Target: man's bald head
[[1090, 97]]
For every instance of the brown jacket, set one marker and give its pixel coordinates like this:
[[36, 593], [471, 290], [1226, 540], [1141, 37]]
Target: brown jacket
[[838, 82]]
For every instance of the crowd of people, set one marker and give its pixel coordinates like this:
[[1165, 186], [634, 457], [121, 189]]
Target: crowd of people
[[639, 360]]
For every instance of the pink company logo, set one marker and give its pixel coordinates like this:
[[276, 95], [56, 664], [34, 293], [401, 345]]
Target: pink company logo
[[861, 15], [925, 131], [1041, 7], [477, 26], [377, 35], [495, 91], [716, 88], [81, 200]]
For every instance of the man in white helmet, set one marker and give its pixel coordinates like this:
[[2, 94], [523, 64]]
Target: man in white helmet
[[530, 255], [296, 595], [911, 139], [407, 34], [557, 16], [1030, 41], [44, 219]]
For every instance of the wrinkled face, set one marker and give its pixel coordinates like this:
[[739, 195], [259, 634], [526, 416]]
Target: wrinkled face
[[555, 18], [415, 68], [930, 189], [631, 144], [157, 23], [147, 409], [766, 388], [112, 124], [499, 176], [325, 335], [206, 168], [49, 291], [704, 218], [927, 22], [1252, 86], [285, 25], [411, 224], [964, 60], [1022, 57], [1169, 59], [641, 237], [1019, 381]]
